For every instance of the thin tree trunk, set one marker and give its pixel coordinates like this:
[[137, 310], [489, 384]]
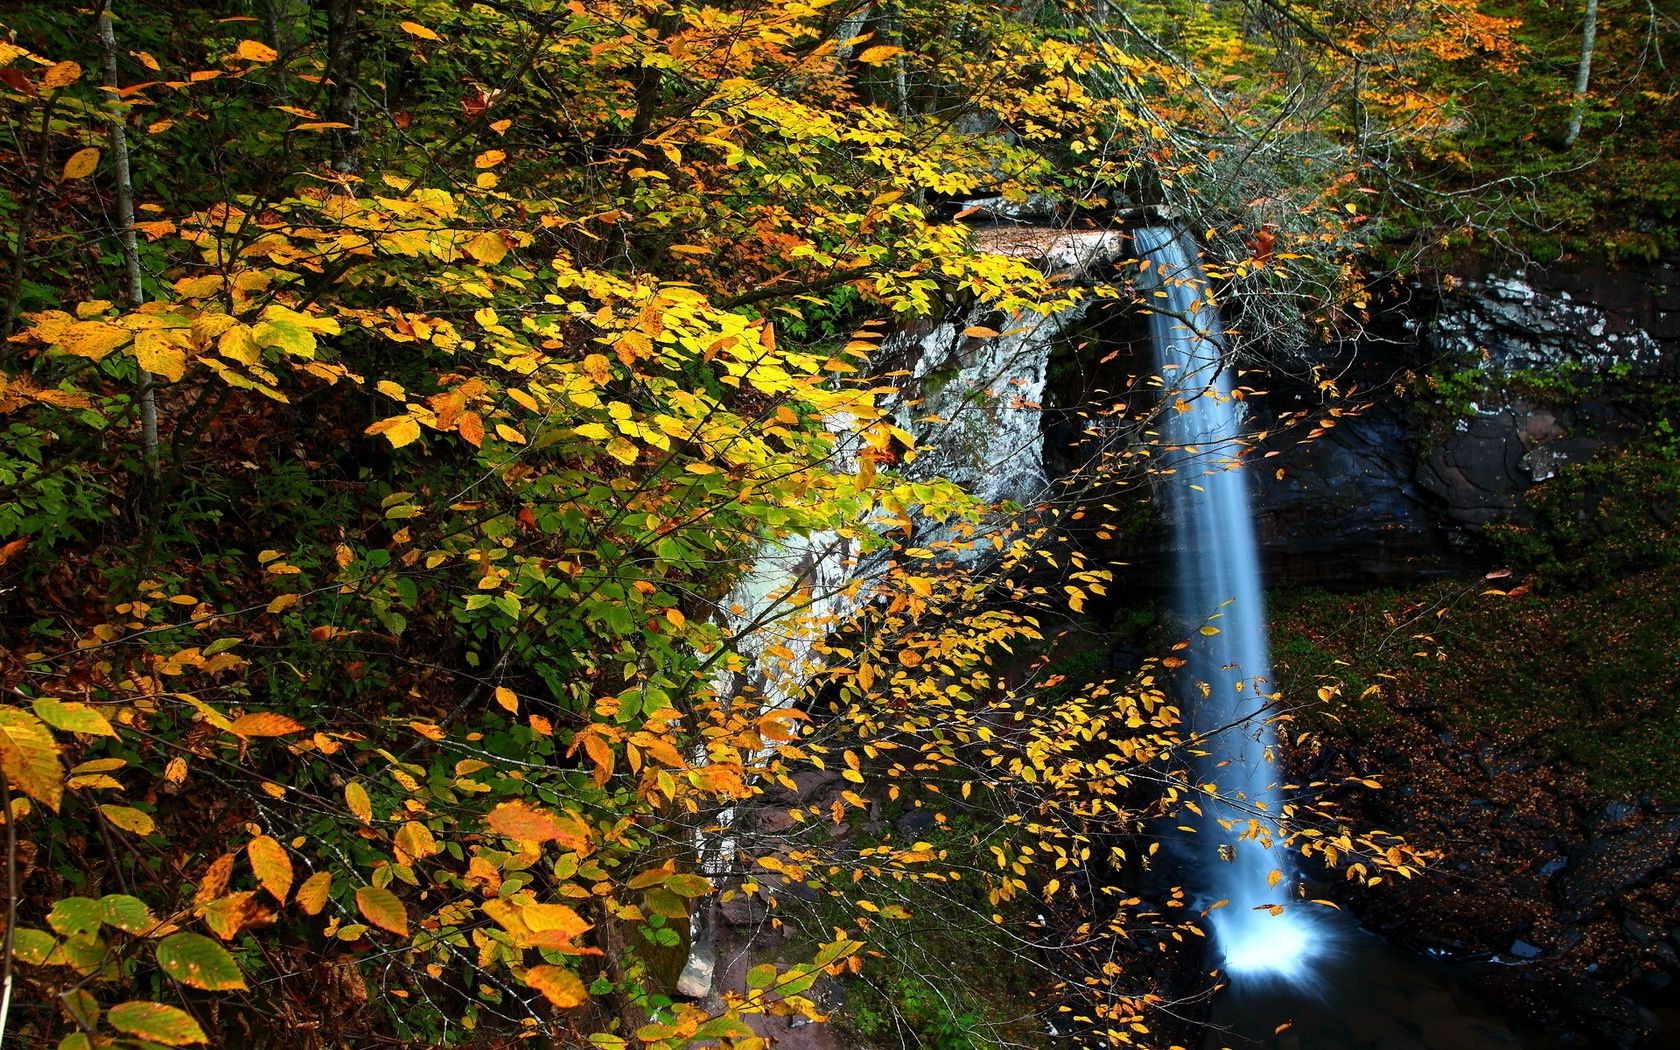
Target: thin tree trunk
[[125, 237], [26, 218], [342, 19], [1583, 75]]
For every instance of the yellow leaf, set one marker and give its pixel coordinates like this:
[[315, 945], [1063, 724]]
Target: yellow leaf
[[81, 163], [356, 797], [272, 865], [156, 1023], [163, 352], [878, 54], [1209, 630], [255, 51], [399, 430], [416, 29], [417, 840], [29, 757], [237, 344], [90, 339], [558, 985], [527, 823], [488, 248], [489, 158], [507, 699], [381, 907], [510, 435], [129, 819], [312, 895], [73, 717], [282, 603]]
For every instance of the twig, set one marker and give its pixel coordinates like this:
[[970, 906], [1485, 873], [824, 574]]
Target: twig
[[11, 907]]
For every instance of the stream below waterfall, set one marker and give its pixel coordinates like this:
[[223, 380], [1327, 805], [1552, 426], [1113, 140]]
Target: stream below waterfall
[[1370, 995]]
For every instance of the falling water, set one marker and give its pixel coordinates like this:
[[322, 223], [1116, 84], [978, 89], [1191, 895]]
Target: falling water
[[1260, 931]]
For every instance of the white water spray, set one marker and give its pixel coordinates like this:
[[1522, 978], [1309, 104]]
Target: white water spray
[[1260, 931]]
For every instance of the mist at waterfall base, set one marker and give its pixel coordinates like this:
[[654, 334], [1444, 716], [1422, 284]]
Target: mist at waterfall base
[[1261, 932]]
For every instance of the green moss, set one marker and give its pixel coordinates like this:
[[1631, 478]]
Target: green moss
[[1584, 676]]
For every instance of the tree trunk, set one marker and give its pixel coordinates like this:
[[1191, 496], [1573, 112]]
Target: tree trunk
[[342, 22], [1583, 75], [144, 392]]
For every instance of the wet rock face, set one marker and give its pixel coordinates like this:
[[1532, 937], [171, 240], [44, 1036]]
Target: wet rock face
[[1511, 324], [1346, 509], [1390, 493]]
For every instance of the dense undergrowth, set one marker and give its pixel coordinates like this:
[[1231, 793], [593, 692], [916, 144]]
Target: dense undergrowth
[[395, 392]]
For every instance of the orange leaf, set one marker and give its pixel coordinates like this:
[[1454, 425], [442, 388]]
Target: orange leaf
[[265, 723], [272, 865], [81, 163], [558, 985], [471, 427], [255, 51], [215, 879], [527, 823], [61, 74]]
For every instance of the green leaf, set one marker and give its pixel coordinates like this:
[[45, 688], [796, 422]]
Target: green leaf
[[32, 946], [87, 953], [82, 1007], [126, 913], [72, 717], [661, 901], [687, 885], [157, 1022], [200, 962], [762, 976], [74, 915]]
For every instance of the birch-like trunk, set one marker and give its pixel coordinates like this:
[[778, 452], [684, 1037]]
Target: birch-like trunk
[[1583, 74]]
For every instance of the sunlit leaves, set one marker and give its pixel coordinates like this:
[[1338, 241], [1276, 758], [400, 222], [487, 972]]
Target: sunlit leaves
[[255, 51], [29, 757], [265, 723], [360, 805], [527, 823], [560, 986], [312, 894]]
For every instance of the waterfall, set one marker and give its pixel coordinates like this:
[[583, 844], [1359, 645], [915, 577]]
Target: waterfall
[[1260, 930]]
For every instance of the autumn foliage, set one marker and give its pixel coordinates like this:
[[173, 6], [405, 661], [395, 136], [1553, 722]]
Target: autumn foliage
[[382, 695]]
